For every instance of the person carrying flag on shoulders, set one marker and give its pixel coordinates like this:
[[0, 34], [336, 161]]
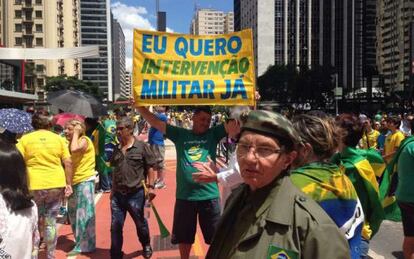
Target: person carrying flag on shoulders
[[362, 175]]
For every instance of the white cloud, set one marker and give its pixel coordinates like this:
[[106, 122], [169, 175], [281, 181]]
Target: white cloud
[[130, 17]]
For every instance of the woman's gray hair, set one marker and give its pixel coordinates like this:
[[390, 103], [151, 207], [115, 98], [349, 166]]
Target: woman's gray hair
[[126, 121]]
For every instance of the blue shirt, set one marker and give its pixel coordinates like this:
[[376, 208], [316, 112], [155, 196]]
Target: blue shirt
[[155, 137]]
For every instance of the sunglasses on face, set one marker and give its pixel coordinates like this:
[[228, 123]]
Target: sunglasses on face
[[120, 128]]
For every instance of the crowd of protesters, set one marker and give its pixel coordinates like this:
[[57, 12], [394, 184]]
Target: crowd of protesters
[[325, 171]]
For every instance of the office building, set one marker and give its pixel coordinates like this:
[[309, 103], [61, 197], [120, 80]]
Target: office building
[[312, 33], [95, 29], [161, 21], [39, 24], [126, 90], [395, 42], [118, 60], [210, 21]]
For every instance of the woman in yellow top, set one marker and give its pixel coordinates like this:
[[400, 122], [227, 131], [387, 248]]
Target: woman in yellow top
[[44, 153], [81, 207]]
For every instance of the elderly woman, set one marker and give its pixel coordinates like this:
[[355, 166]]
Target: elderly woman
[[268, 217], [81, 207]]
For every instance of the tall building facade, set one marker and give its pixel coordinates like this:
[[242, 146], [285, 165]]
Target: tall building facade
[[337, 33], [126, 90], [210, 21], [118, 59], [39, 24], [395, 43], [95, 29]]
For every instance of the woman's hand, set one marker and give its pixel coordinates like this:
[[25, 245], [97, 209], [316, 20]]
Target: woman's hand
[[77, 129]]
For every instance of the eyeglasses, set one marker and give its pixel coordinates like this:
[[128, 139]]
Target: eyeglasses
[[259, 152], [120, 128]]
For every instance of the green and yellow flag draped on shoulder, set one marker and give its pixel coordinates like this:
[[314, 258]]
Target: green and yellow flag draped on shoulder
[[389, 185], [362, 175]]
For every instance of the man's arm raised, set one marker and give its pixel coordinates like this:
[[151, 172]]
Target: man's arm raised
[[152, 119]]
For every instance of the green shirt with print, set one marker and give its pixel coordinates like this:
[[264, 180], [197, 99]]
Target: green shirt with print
[[191, 148]]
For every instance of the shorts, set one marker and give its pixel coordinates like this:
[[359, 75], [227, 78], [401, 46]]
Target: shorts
[[159, 152], [407, 216], [185, 220]]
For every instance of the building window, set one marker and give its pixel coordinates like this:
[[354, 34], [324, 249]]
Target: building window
[[18, 27], [40, 82], [18, 14], [38, 1], [39, 41], [17, 1], [38, 14], [39, 28], [18, 41], [39, 68]]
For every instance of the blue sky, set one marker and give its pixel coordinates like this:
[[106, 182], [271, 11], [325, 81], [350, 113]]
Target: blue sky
[[141, 14]]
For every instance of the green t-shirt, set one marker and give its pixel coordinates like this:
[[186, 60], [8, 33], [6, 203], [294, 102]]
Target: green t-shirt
[[405, 190], [191, 148]]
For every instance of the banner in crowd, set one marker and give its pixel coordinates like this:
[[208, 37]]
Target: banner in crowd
[[178, 69]]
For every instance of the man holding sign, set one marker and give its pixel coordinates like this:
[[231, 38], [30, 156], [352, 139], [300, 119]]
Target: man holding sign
[[178, 69], [193, 199]]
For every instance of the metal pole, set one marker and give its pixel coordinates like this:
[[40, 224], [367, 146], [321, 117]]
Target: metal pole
[[336, 91]]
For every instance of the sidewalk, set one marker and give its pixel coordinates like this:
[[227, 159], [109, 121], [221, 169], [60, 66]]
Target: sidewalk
[[163, 248]]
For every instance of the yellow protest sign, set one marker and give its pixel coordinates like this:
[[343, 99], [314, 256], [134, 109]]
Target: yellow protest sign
[[178, 69]]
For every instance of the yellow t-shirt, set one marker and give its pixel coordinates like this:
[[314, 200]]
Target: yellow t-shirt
[[372, 139], [392, 141], [84, 163], [43, 152]]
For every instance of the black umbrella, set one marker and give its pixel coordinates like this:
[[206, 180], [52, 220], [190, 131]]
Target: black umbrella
[[77, 102]]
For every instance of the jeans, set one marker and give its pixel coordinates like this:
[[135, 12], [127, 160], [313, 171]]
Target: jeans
[[120, 205], [364, 248], [105, 181]]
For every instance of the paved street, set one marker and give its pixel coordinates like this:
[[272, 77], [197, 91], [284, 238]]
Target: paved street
[[164, 203], [387, 243]]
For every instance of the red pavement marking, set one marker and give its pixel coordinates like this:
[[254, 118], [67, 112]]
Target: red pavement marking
[[164, 203]]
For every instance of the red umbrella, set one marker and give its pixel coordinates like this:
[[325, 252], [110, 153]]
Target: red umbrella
[[62, 118]]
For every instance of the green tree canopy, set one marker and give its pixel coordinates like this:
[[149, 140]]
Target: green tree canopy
[[288, 84], [63, 82]]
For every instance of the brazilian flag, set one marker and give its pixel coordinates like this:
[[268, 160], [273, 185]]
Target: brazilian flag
[[389, 185], [103, 134], [363, 177], [335, 193], [375, 160]]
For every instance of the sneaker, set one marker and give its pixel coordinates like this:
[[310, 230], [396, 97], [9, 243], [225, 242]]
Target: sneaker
[[160, 185], [147, 251]]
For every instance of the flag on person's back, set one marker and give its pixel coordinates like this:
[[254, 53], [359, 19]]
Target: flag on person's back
[[335, 193], [375, 160], [362, 175], [389, 185], [98, 140]]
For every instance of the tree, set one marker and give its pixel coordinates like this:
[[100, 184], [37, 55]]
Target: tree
[[288, 84], [64, 82]]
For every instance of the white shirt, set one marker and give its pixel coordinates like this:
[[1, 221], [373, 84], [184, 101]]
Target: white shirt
[[229, 178], [18, 231]]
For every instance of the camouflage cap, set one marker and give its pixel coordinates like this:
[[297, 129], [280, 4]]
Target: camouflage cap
[[271, 124]]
